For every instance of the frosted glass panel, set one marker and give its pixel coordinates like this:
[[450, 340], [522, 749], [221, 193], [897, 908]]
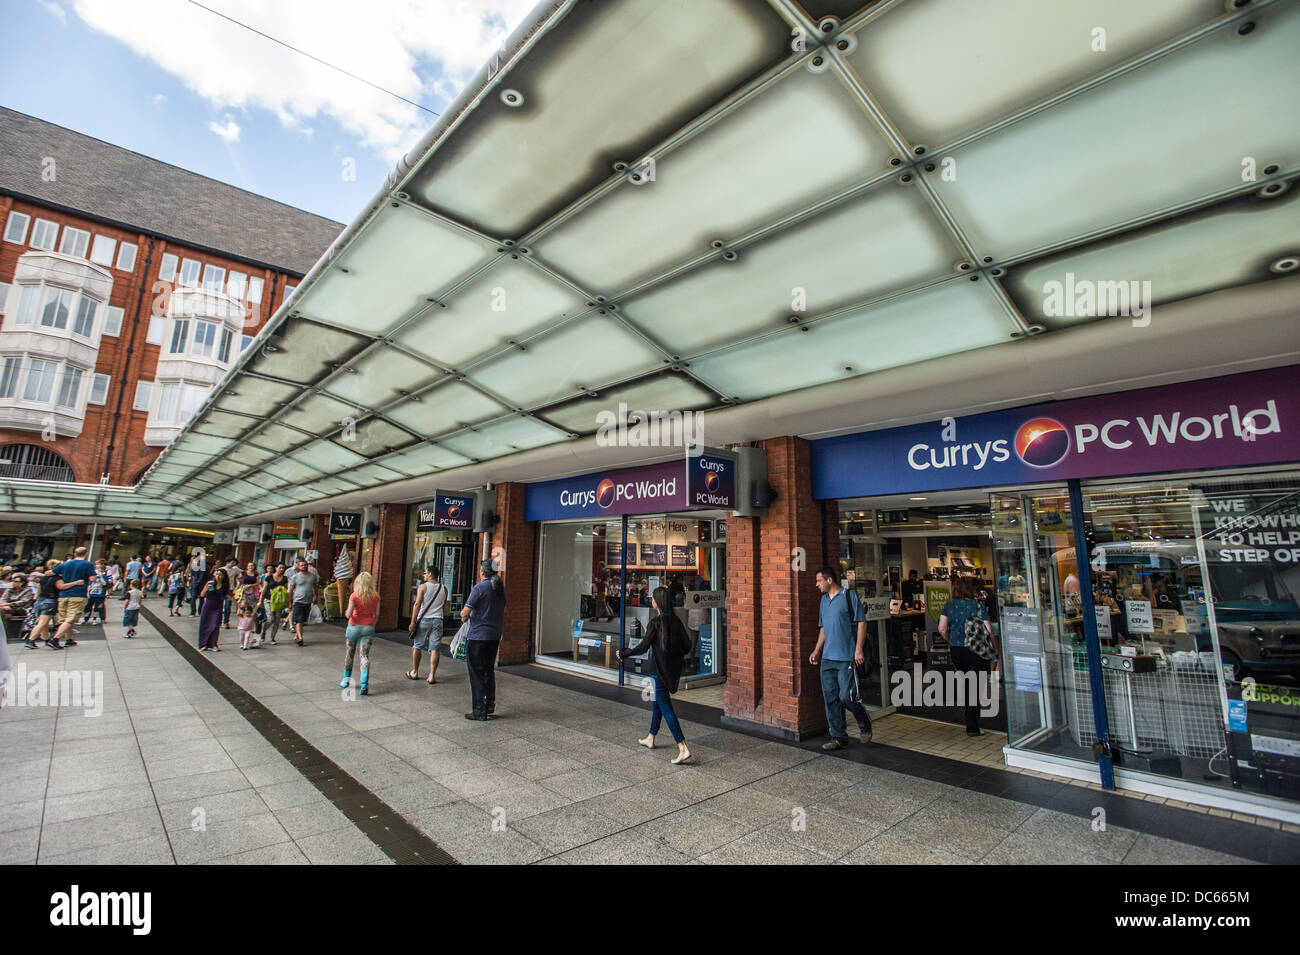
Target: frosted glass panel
[[951, 318], [611, 81], [667, 393], [379, 377], [1020, 50], [1059, 173], [446, 408], [511, 300], [406, 258], [425, 459], [887, 240], [504, 437], [586, 353], [745, 170]]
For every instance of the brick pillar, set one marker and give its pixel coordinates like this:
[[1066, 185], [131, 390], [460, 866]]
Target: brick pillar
[[386, 565], [244, 553], [772, 606], [512, 545]]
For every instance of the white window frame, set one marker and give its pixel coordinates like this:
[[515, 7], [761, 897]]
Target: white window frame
[[185, 267], [143, 392], [98, 244], [43, 369], [225, 341], [79, 237], [157, 333], [4, 295], [237, 284], [98, 383], [169, 400], [113, 321], [203, 342], [21, 237], [244, 342], [214, 278], [89, 333], [61, 297], [29, 304], [168, 266], [256, 284], [71, 377], [54, 235], [126, 263], [288, 291], [180, 337], [11, 372]]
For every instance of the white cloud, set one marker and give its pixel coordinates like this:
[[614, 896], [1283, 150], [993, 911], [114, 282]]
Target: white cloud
[[55, 10], [417, 49], [159, 99], [229, 130]]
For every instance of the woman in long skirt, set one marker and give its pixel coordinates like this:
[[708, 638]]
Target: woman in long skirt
[[214, 601]]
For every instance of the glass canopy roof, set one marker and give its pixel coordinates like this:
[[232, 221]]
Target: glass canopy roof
[[717, 202]]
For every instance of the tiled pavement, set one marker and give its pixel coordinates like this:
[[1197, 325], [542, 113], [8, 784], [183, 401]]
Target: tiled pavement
[[172, 772]]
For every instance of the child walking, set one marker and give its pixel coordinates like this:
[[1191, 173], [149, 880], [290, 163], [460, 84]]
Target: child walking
[[175, 592], [248, 602], [131, 609]]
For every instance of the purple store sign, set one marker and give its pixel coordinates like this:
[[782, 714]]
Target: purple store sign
[[446, 512], [705, 480], [1233, 421]]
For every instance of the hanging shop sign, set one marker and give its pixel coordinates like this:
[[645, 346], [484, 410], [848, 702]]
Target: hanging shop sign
[[703, 480], [223, 537], [344, 524], [445, 512], [1233, 421], [285, 530], [249, 534]]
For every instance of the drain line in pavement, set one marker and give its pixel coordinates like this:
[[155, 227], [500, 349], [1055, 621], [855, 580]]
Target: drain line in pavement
[[384, 826]]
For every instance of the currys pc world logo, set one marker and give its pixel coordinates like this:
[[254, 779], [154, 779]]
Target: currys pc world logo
[[1042, 442], [605, 493]]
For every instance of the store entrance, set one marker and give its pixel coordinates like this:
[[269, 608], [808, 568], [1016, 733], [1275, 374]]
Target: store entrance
[[920, 553], [597, 587]]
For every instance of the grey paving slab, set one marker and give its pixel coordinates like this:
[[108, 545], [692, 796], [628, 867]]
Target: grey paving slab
[[204, 784], [297, 792], [312, 819], [1153, 850], [582, 784], [98, 802], [950, 828], [567, 827], [19, 846], [212, 809], [893, 847], [763, 847], [88, 832], [625, 848], [340, 847], [225, 839], [151, 850], [693, 831], [1058, 830], [282, 853]]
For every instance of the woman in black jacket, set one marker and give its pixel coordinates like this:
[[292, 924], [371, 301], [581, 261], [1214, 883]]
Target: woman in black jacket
[[668, 643]]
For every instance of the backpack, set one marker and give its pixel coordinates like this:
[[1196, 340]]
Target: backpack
[[279, 599]]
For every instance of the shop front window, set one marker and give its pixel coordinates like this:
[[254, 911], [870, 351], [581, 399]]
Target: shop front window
[[449, 552], [594, 587]]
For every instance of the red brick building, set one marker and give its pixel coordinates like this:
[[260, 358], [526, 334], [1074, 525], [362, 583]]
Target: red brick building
[[100, 364]]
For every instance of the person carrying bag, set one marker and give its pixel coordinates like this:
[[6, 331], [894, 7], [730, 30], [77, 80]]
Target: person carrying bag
[[426, 625]]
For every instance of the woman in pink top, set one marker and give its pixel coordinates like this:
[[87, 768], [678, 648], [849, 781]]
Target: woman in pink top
[[363, 608]]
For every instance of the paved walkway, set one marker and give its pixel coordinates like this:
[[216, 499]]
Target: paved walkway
[[172, 772]]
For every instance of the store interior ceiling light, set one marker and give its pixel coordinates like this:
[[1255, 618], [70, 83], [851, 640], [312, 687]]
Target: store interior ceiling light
[[723, 201]]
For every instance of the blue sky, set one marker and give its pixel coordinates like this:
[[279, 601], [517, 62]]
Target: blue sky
[[172, 81]]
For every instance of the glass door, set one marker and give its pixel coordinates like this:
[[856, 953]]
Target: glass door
[[1043, 659]]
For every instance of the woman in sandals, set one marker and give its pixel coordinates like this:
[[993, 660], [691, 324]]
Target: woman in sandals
[[668, 642], [363, 609], [426, 624]]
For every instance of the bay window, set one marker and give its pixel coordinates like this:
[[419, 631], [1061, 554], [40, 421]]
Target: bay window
[[40, 380], [69, 387]]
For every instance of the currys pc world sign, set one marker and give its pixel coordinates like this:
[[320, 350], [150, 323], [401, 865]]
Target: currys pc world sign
[[1232, 421], [704, 480], [446, 512]]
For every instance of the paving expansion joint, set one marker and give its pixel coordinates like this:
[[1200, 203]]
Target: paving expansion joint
[[375, 819]]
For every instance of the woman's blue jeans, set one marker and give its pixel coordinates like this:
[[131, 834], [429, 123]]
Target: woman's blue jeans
[[663, 707]]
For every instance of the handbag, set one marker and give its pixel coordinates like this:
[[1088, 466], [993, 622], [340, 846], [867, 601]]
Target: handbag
[[978, 640], [416, 622], [460, 643]]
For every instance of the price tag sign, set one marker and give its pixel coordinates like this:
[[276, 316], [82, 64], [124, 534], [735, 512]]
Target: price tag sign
[[1139, 616]]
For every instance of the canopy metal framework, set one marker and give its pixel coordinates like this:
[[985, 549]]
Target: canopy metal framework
[[680, 205]]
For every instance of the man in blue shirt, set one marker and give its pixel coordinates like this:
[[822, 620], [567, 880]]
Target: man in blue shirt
[[485, 612], [74, 575], [837, 651]]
